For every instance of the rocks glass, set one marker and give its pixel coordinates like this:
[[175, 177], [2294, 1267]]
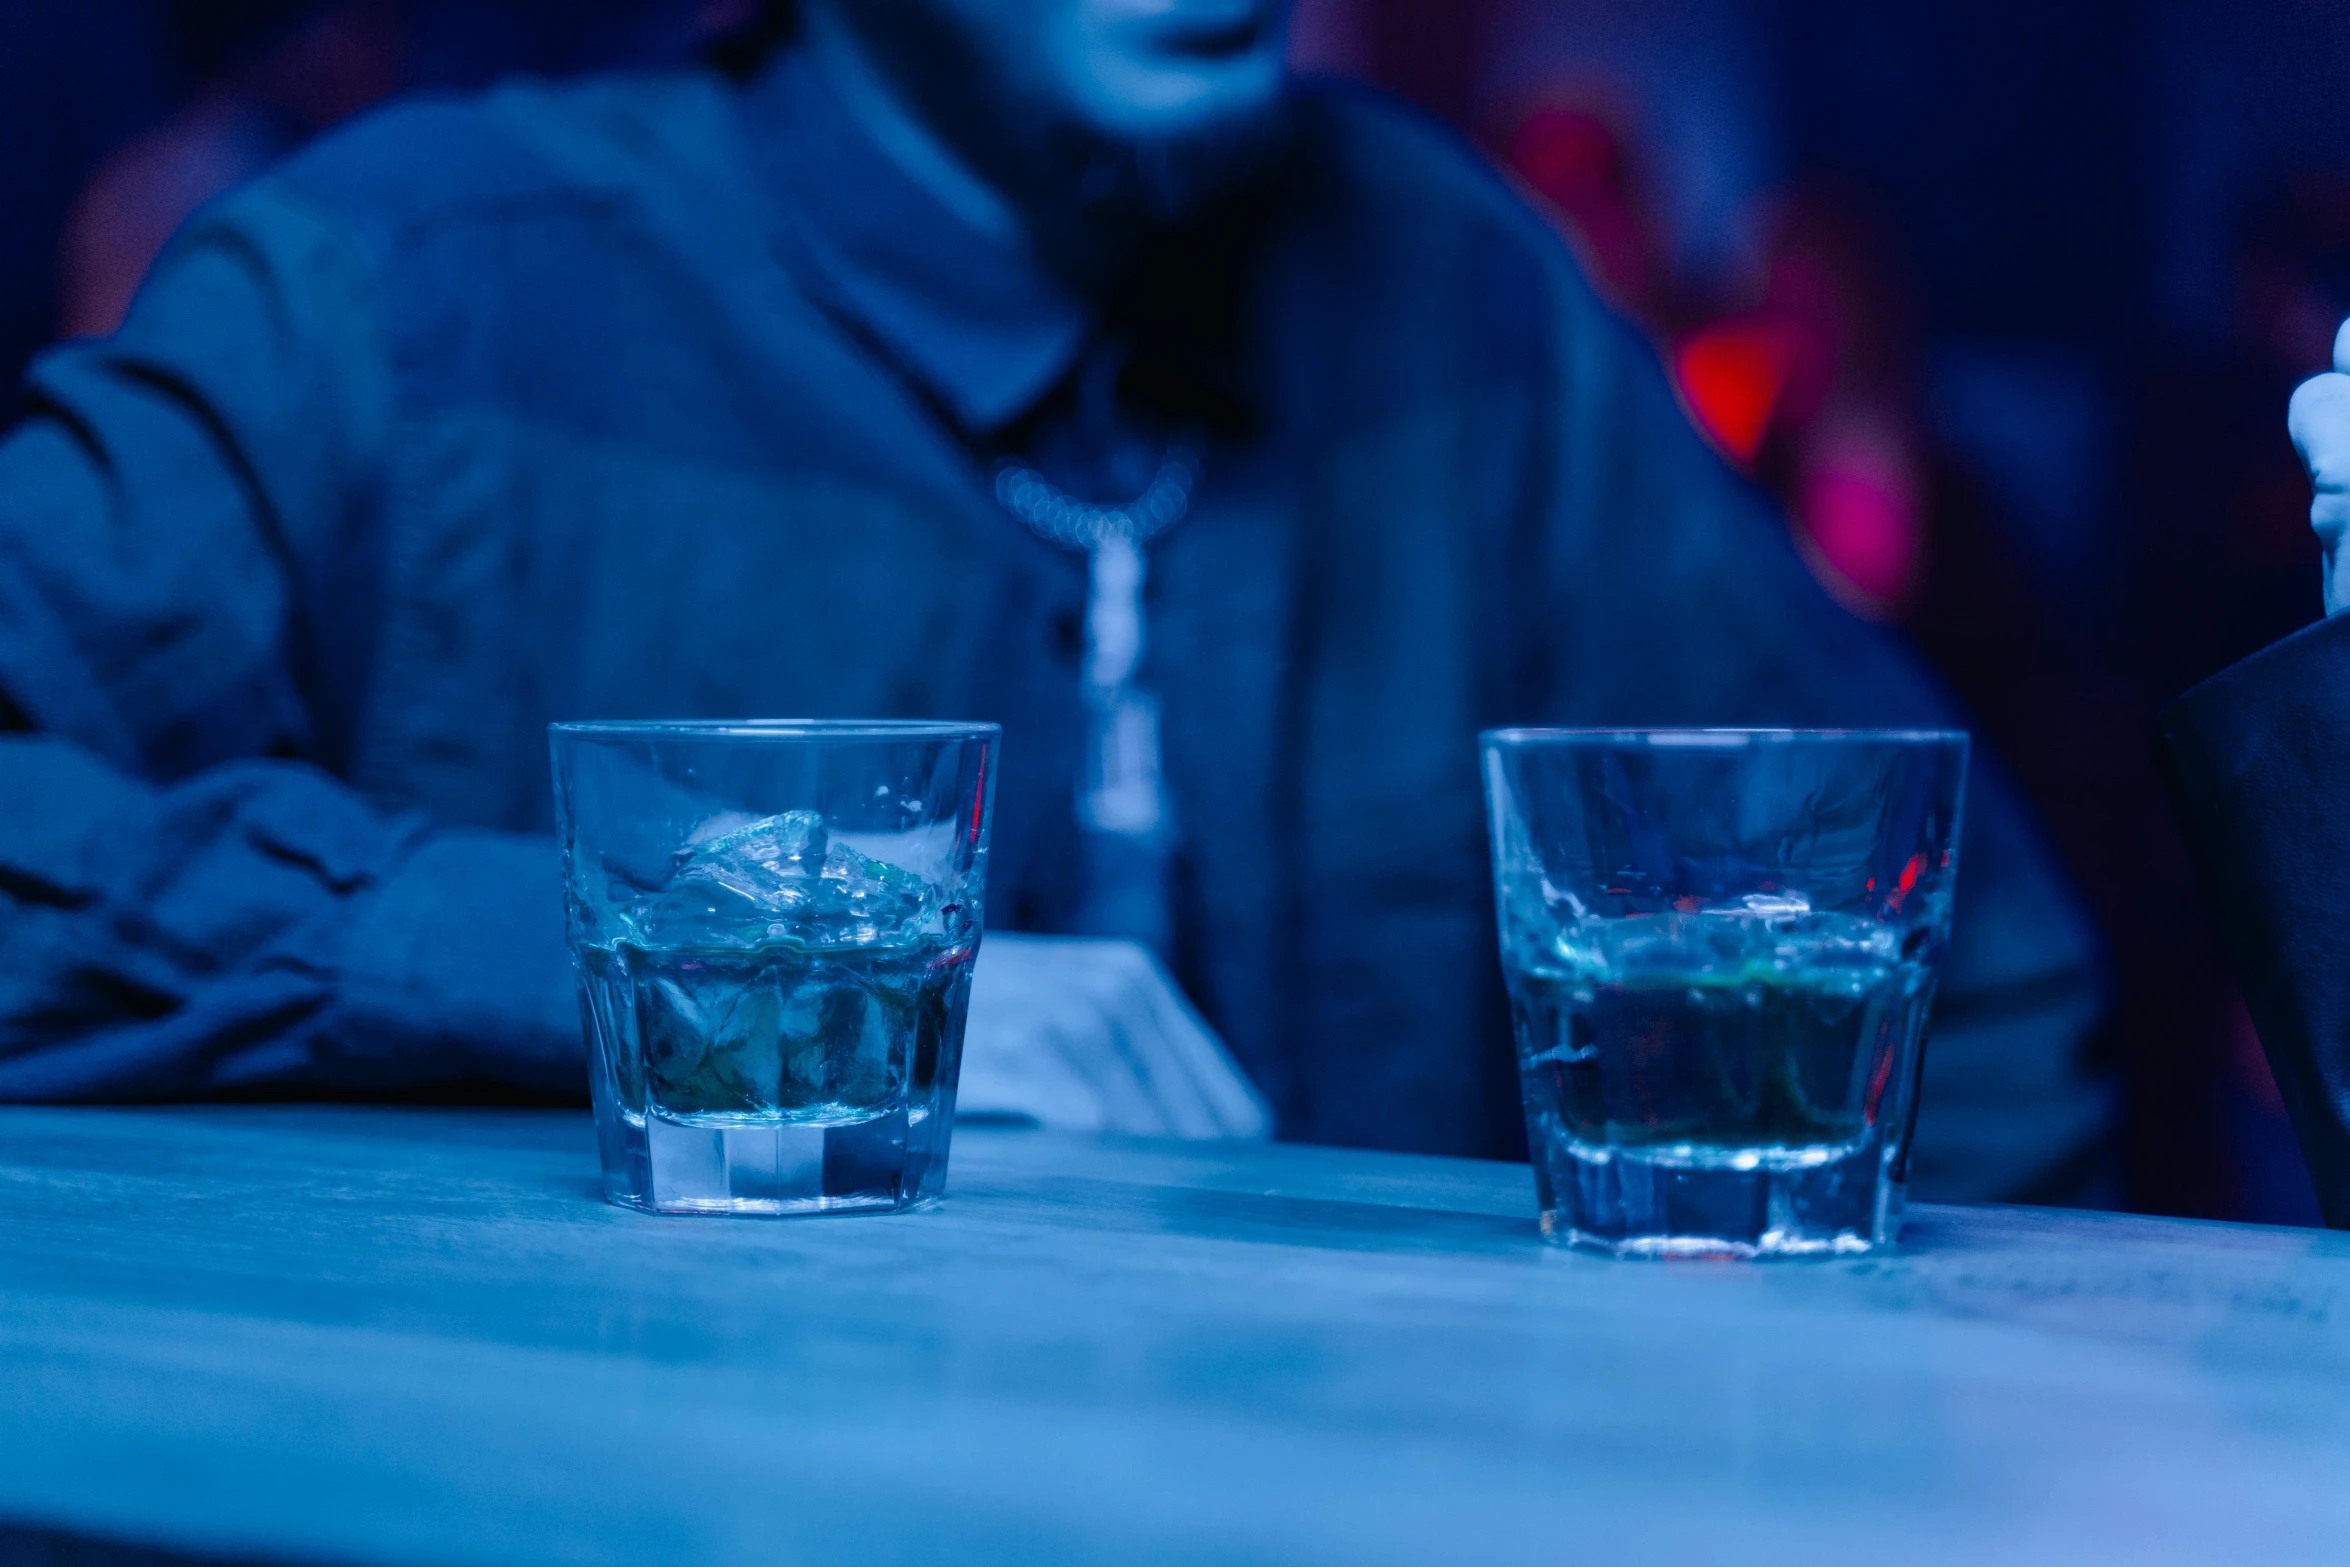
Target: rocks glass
[[774, 925], [1721, 947]]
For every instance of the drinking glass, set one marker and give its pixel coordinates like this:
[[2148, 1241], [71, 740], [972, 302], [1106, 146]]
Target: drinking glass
[[773, 925], [1721, 947]]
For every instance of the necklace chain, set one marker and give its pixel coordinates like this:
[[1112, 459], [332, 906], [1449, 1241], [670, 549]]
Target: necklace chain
[[1121, 792], [1058, 517]]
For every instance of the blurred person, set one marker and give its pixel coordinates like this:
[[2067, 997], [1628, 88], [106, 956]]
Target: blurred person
[[2259, 755], [2259, 763], [790, 387], [2226, 564]]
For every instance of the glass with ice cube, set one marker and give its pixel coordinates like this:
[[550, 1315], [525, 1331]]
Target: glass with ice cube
[[1721, 949], [774, 925]]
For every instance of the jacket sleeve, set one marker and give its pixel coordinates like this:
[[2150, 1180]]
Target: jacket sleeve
[[2256, 758], [189, 903], [1710, 617]]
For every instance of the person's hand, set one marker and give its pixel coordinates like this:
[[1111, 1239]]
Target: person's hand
[[2320, 422], [1093, 1036]]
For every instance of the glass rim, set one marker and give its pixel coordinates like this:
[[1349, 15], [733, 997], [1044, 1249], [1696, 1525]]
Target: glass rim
[[1726, 739], [774, 729]]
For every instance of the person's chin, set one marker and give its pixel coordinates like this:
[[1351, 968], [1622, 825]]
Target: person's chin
[[1174, 104]]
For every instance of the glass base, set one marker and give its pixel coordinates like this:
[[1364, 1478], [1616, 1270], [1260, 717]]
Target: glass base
[[893, 1163], [1683, 1202]]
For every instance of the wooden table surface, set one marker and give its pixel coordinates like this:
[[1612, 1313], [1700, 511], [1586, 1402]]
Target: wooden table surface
[[303, 1334]]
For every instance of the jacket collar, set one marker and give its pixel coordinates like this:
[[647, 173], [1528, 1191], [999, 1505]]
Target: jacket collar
[[977, 320]]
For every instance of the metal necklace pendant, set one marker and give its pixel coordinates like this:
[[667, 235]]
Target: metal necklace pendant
[[1123, 791]]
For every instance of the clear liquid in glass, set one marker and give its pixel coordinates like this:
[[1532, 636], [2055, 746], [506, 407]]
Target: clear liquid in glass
[[1736, 1079], [779, 1029]]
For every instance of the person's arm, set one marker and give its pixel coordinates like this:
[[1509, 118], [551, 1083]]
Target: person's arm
[[258, 929], [2258, 763], [1684, 601], [187, 910]]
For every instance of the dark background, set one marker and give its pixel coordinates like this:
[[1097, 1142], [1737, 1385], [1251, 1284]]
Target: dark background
[[2005, 298]]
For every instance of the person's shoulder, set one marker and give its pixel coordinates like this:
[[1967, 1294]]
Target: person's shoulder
[[1408, 219], [441, 157], [1383, 161], [1394, 218]]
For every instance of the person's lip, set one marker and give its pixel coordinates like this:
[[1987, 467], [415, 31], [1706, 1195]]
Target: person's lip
[[1230, 31]]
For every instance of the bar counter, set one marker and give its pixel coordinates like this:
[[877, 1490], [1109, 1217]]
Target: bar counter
[[401, 1336]]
